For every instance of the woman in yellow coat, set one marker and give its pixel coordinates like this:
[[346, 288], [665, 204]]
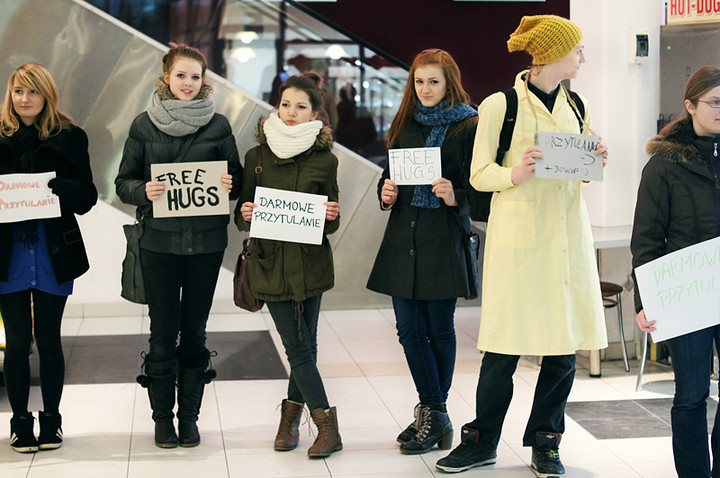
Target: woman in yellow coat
[[541, 292]]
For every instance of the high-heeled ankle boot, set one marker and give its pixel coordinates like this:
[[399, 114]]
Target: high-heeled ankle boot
[[434, 428], [288, 433], [328, 438], [411, 430]]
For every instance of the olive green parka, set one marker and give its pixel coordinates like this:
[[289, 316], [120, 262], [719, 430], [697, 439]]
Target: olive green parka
[[279, 270]]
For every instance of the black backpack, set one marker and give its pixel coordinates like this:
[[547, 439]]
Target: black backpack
[[480, 200]]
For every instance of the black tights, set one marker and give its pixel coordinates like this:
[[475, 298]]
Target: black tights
[[16, 309]]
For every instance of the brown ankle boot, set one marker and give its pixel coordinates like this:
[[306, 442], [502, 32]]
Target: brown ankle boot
[[288, 434], [328, 438]]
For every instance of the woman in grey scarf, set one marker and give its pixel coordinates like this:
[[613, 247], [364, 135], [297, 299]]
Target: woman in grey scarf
[[180, 256]]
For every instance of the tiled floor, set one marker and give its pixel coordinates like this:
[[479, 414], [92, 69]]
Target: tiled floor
[[108, 430]]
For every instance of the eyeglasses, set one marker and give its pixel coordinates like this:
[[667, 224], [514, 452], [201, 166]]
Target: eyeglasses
[[713, 104]]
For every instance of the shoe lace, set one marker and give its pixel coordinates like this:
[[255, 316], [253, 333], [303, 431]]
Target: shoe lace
[[423, 423], [464, 450], [551, 454]]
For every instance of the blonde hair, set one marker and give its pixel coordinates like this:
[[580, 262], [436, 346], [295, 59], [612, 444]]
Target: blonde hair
[[50, 120]]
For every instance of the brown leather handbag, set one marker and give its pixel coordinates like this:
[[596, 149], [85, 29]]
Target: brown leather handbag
[[242, 293]]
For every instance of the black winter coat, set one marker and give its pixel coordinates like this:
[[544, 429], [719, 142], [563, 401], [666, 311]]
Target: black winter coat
[[147, 145], [66, 153], [422, 255], [678, 203]]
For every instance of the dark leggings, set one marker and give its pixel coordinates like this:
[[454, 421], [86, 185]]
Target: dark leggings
[[17, 313]]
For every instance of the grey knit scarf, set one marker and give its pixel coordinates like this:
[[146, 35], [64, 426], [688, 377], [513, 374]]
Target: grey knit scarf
[[180, 118]]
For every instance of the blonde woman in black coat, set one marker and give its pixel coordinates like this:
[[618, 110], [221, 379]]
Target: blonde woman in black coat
[[39, 259]]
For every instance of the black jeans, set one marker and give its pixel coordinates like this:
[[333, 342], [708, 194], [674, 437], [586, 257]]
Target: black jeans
[[17, 313], [495, 390], [297, 323], [179, 291], [426, 331]]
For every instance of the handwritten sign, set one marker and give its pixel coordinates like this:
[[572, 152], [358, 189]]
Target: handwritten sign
[[191, 189], [568, 156], [414, 165], [681, 290], [288, 216], [27, 196]]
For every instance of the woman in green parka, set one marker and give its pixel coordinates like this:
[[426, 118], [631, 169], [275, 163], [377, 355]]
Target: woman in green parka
[[294, 154]]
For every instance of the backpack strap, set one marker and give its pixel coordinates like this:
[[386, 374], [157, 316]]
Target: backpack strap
[[508, 126]]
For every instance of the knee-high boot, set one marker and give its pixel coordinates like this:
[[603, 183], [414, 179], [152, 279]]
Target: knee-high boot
[[195, 372], [159, 379]]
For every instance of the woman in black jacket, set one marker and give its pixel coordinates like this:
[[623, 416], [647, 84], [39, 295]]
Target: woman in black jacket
[[40, 258], [677, 206], [180, 256], [421, 261]]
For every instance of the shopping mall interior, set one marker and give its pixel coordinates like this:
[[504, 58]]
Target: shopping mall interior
[[105, 57]]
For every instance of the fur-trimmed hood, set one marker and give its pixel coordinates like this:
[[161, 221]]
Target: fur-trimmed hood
[[323, 142], [677, 145], [164, 92]]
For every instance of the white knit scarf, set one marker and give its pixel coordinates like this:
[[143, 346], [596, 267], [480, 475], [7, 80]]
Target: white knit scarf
[[287, 141]]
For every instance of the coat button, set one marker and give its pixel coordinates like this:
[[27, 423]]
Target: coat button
[[412, 252], [189, 249], [412, 223], [54, 249]]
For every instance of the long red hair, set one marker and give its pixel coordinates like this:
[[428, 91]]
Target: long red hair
[[455, 94]]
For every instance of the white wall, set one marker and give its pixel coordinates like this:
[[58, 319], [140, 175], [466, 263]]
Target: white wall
[[624, 102]]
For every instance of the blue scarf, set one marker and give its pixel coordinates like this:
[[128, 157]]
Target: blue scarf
[[440, 117]]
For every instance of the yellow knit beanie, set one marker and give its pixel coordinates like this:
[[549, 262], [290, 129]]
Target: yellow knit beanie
[[548, 38]]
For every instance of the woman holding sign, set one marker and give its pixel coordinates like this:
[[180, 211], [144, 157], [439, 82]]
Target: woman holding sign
[[40, 258], [541, 292], [294, 154], [181, 255], [677, 207], [421, 262]]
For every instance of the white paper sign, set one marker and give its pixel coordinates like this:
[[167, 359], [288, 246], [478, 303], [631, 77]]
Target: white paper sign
[[191, 189], [27, 196], [414, 165], [681, 290], [288, 216], [568, 156]]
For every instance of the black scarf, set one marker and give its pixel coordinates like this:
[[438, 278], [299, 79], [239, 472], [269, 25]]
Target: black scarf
[[25, 141]]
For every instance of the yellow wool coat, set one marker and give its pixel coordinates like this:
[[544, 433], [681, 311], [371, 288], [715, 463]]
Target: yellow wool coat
[[540, 291]]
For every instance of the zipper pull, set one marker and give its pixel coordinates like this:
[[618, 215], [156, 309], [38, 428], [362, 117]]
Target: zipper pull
[[715, 149]]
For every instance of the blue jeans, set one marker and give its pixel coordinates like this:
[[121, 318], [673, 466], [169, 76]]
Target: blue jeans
[[495, 390], [180, 293], [297, 324], [426, 330], [691, 358]]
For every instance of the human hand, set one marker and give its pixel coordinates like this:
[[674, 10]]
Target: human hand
[[332, 211], [602, 149], [389, 192], [527, 170], [154, 189], [226, 181], [247, 210], [443, 189], [644, 324], [61, 187]]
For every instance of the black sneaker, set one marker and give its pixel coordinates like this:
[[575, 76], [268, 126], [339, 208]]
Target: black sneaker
[[467, 454], [51, 435], [545, 456], [22, 438]]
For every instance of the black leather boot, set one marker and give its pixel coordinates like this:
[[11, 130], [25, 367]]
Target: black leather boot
[[434, 428], [195, 372], [51, 435], [159, 379]]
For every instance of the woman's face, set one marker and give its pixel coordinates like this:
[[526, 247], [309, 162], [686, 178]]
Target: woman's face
[[184, 78], [430, 85], [27, 102], [706, 118], [295, 107], [569, 65]]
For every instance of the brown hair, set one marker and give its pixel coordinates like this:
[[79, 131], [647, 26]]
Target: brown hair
[[310, 83], [183, 51], [699, 83], [455, 93], [50, 120]]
